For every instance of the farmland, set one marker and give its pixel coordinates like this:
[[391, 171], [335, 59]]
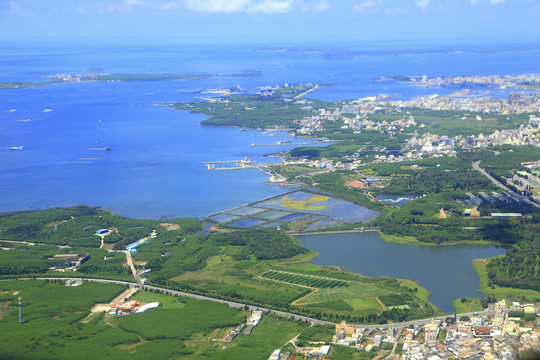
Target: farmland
[[333, 293], [56, 326]]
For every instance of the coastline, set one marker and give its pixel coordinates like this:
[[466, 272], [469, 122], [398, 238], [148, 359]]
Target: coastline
[[411, 240]]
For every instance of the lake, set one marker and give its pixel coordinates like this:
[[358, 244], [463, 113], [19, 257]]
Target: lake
[[446, 271]]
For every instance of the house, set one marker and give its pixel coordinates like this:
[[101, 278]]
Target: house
[[275, 355], [102, 231], [254, 318], [67, 260], [74, 282]]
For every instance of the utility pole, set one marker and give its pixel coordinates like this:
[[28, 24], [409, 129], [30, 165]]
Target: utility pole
[[20, 311]]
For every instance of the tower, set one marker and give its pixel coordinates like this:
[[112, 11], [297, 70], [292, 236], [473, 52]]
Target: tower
[[20, 311]]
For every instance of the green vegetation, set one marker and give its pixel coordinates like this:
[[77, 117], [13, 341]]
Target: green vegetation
[[467, 305], [252, 110], [32, 238], [54, 326], [520, 267], [304, 280], [115, 77], [22, 85], [453, 123], [163, 323], [498, 291], [58, 326]]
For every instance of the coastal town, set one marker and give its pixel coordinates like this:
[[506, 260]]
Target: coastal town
[[500, 333]]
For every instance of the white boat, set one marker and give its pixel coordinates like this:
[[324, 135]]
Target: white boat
[[14, 148]]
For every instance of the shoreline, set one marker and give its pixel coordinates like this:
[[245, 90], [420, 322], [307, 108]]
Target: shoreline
[[479, 266]]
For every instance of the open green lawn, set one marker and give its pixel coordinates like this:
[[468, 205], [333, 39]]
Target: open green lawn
[[470, 305], [53, 328], [175, 321], [270, 334], [354, 291]]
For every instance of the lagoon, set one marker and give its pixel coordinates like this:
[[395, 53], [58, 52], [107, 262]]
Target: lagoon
[[445, 271]]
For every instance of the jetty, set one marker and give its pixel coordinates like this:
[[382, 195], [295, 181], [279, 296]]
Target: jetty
[[306, 92], [287, 142], [245, 163]]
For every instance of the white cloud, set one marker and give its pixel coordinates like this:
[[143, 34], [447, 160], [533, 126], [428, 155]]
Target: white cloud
[[492, 2], [422, 3], [229, 6], [318, 6], [217, 5], [271, 6], [365, 5], [81, 10]]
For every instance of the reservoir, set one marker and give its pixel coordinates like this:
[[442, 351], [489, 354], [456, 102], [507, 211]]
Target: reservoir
[[445, 271]]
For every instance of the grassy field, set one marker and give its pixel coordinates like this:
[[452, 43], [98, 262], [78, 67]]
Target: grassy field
[[54, 326], [179, 318], [333, 294], [470, 305], [315, 282]]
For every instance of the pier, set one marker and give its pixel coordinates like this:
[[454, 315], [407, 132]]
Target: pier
[[306, 92], [281, 143], [246, 163]]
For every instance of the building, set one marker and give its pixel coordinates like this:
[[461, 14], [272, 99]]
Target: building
[[68, 260], [102, 231], [74, 282], [344, 326], [275, 355], [254, 318], [506, 215]]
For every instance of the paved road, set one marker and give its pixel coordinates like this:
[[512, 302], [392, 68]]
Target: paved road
[[252, 308], [194, 296], [367, 229], [476, 166]]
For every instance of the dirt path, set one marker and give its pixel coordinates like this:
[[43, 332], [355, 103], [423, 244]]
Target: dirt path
[[305, 296], [381, 303]]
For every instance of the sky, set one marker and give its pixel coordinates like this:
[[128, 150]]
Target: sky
[[272, 21]]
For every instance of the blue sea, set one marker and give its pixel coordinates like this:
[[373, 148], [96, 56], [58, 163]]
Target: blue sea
[[155, 167]]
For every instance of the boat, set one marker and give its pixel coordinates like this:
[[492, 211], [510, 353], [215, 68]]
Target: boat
[[14, 148], [108, 148]]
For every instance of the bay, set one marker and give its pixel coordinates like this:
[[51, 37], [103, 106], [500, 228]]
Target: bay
[[155, 168]]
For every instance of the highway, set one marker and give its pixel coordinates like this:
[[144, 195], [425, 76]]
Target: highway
[[476, 166], [251, 307]]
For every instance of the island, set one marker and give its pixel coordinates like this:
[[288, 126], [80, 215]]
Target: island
[[74, 78]]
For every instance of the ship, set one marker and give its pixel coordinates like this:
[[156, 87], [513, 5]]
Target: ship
[[14, 148], [108, 148]]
